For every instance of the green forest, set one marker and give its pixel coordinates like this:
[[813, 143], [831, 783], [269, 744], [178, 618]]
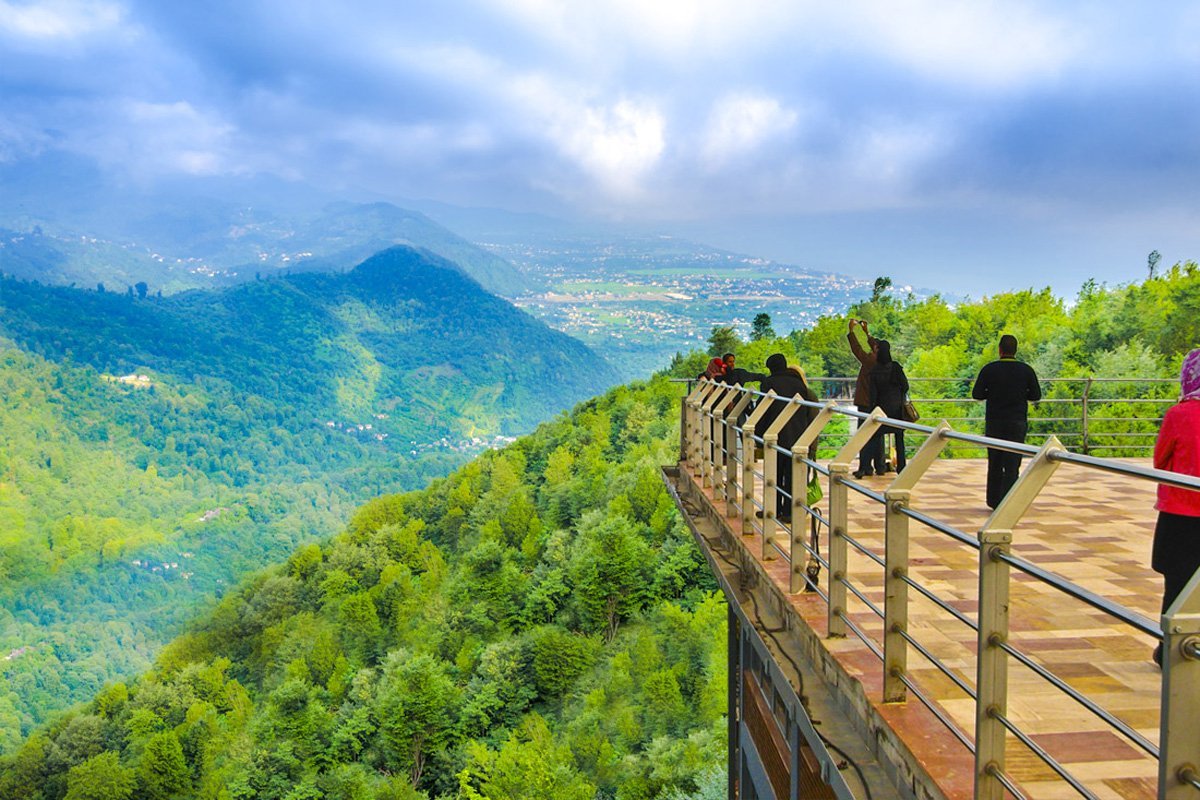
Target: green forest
[[268, 412], [539, 623]]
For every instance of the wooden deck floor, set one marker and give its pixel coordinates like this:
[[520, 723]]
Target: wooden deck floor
[[1091, 528]]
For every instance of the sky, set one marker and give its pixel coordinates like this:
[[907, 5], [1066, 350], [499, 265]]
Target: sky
[[972, 147]]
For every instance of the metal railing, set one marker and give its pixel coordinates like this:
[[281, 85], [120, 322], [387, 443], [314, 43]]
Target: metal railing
[[1110, 416], [722, 444]]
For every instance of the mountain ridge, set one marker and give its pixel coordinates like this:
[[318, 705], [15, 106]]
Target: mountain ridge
[[70, 223]]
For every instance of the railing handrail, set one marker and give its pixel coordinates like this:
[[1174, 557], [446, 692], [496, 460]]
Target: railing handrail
[[1077, 410], [1106, 464], [714, 400]]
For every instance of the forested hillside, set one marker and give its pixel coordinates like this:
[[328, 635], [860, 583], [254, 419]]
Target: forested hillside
[[539, 624], [155, 450]]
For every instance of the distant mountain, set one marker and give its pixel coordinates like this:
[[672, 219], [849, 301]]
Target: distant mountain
[[404, 328], [67, 223], [153, 449]]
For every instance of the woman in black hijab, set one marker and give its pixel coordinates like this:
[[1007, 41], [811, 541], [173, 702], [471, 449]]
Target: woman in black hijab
[[888, 390]]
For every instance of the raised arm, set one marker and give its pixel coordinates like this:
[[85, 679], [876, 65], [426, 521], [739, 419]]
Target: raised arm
[[856, 346]]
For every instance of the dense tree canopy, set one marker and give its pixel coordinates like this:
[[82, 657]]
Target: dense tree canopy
[[541, 618]]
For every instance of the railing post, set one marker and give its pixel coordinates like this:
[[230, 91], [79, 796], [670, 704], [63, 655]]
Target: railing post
[[839, 514], [799, 518], [991, 682], [991, 700], [799, 484], [696, 426], [708, 473], [895, 606], [750, 461], [895, 603], [838, 559], [683, 422], [732, 488], [1087, 391], [1179, 756], [771, 473], [770, 488]]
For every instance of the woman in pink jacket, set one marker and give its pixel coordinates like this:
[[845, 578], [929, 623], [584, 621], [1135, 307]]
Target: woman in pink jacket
[[1177, 536]]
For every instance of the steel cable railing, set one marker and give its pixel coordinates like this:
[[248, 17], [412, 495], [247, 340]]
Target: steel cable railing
[[741, 479]]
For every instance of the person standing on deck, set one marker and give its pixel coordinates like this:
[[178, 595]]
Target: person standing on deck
[[872, 451], [786, 385], [888, 390], [1008, 386], [1176, 553]]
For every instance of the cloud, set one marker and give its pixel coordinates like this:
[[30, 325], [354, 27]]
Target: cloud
[[651, 110], [159, 139], [986, 44], [58, 20], [617, 144], [740, 123]]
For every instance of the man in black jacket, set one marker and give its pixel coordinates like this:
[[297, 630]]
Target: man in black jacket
[[1008, 386], [786, 385]]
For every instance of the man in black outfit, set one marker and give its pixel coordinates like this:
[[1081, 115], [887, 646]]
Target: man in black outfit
[[1008, 386], [786, 384]]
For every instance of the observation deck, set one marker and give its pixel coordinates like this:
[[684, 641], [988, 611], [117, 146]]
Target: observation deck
[[856, 631]]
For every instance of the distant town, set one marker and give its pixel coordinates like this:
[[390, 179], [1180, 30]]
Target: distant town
[[639, 301]]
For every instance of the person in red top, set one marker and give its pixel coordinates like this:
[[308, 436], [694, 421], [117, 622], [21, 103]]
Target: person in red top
[[714, 370], [1176, 553]]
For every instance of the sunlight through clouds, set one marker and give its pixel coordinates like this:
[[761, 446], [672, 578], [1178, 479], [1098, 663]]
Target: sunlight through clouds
[[739, 124], [618, 144]]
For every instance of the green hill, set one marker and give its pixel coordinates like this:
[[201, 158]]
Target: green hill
[[153, 450], [538, 624]]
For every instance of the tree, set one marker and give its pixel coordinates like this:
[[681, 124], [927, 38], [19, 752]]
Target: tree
[[100, 778], [529, 764], [882, 285], [1152, 262], [761, 327], [419, 708], [723, 340], [163, 771], [610, 573], [142, 288]]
